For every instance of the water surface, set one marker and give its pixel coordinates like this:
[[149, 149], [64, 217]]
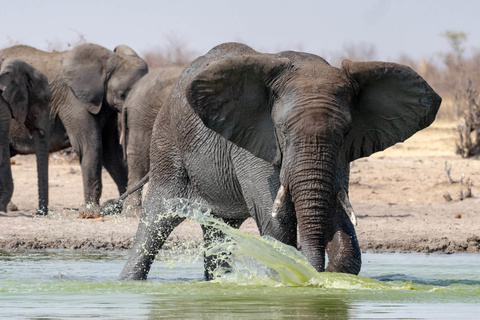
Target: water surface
[[74, 284], [268, 281]]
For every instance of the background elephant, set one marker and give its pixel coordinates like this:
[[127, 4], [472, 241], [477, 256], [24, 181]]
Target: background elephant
[[25, 95], [271, 136], [89, 85], [138, 115]]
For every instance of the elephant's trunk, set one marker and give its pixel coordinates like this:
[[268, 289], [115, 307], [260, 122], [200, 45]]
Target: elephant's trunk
[[311, 187], [42, 145]]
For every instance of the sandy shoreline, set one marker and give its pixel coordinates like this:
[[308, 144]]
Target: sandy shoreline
[[397, 196]]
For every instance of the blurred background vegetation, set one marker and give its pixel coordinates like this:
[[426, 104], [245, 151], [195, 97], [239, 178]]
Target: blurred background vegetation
[[454, 75]]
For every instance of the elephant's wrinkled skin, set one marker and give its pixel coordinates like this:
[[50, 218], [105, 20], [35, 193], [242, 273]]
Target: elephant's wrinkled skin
[[138, 116], [24, 99], [88, 85], [239, 124]]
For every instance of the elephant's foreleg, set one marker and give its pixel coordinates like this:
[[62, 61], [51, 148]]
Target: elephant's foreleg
[[154, 228], [167, 181], [85, 134], [113, 157], [42, 144], [89, 150], [6, 180], [91, 165], [260, 184], [138, 166], [214, 261]]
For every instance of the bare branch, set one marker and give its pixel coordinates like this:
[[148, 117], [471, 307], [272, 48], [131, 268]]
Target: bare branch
[[447, 169]]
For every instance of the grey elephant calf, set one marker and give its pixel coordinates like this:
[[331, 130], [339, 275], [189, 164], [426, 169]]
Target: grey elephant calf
[[271, 136], [138, 116], [24, 100], [89, 85]]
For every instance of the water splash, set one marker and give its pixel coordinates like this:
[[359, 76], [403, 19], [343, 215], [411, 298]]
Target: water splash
[[291, 266]]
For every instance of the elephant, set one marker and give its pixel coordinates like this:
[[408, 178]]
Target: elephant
[[25, 96], [138, 115], [88, 86], [271, 136]]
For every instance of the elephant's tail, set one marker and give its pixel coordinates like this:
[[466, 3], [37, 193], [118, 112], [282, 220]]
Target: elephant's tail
[[140, 184], [114, 206]]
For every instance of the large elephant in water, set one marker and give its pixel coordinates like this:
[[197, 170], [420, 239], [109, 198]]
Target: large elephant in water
[[88, 85], [271, 136], [24, 100]]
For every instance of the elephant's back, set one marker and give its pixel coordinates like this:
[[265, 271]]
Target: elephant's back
[[149, 95], [48, 63]]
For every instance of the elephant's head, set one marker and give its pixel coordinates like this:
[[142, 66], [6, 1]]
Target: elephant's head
[[296, 111], [98, 76], [27, 94]]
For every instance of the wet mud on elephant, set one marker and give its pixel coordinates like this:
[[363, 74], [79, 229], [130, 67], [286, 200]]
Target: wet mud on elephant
[[271, 136]]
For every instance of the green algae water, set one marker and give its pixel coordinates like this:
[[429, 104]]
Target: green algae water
[[69, 284]]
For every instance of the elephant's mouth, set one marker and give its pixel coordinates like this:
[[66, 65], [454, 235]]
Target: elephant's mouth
[[342, 198], [116, 106]]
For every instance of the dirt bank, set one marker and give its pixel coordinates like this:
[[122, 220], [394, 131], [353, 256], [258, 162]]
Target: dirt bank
[[398, 196]]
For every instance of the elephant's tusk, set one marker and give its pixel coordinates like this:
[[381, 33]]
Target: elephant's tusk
[[278, 203], [347, 206]]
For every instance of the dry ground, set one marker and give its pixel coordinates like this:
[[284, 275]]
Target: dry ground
[[398, 196]]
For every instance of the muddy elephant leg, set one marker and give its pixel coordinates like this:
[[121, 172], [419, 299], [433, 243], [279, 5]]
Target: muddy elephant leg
[[211, 236], [113, 157]]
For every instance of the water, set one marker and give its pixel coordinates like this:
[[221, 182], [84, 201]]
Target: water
[[68, 284], [61, 284]]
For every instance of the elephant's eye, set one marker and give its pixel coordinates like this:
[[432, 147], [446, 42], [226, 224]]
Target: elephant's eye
[[347, 130], [123, 95]]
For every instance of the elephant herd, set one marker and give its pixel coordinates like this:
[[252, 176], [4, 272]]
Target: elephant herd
[[77, 107], [244, 133]]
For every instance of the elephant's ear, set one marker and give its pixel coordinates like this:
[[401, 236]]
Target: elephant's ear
[[393, 103], [125, 50], [14, 90], [233, 97], [84, 72], [38, 86]]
